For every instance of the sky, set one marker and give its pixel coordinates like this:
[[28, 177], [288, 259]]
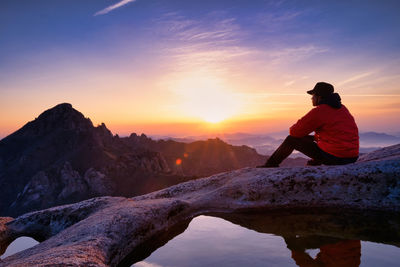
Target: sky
[[186, 67]]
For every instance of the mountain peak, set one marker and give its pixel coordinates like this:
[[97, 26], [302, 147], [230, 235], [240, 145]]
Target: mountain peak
[[60, 117], [66, 105], [60, 109], [65, 116]]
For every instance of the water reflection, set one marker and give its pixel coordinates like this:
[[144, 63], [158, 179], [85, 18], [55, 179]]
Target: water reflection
[[332, 252], [211, 241], [278, 239], [18, 245]]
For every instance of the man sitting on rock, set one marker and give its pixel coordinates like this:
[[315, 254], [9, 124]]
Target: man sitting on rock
[[336, 139]]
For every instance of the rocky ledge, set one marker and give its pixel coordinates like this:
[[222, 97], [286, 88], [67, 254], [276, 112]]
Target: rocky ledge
[[104, 231]]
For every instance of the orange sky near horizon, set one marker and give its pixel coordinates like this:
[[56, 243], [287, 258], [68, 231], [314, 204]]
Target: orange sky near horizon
[[179, 68], [281, 112]]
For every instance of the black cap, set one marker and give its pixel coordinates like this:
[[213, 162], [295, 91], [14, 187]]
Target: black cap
[[321, 89]]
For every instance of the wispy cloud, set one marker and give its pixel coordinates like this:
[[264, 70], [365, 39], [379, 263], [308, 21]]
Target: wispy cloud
[[223, 30], [273, 22], [356, 77], [293, 54], [373, 95], [213, 27], [218, 40], [289, 83], [199, 56], [382, 80], [112, 7], [295, 80], [212, 43]]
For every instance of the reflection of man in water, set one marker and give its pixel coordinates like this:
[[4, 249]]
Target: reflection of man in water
[[333, 251]]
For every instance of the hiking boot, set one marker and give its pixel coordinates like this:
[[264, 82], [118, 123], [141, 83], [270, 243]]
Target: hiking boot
[[268, 165]]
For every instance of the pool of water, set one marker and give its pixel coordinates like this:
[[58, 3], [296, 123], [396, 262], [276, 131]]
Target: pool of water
[[268, 239], [18, 245], [276, 240]]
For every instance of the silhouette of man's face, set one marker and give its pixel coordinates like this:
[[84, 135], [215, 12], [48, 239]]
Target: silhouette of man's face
[[315, 99]]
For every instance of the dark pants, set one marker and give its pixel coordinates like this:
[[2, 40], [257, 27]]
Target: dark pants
[[308, 147]]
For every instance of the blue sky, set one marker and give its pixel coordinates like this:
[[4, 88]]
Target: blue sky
[[148, 63]]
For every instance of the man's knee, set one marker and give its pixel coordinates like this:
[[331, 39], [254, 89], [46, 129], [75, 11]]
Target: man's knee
[[299, 143], [292, 139]]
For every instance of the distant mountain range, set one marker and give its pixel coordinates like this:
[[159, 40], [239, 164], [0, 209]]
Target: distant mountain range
[[60, 157], [369, 139], [266, 144]]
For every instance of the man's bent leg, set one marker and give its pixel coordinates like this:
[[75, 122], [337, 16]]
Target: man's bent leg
[[302, 144]]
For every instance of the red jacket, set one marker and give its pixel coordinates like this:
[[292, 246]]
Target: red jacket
[[346, 253], [336, 131]]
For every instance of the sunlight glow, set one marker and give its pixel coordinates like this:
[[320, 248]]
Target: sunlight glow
[[207, 97]]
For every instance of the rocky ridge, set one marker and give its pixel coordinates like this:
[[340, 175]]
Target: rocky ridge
[[61, 158], [104, 231]]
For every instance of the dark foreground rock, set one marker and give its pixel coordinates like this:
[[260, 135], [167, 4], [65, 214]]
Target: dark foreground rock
[[104, 231]]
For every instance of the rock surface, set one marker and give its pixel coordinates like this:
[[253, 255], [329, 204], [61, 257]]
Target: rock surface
[[104, 231]]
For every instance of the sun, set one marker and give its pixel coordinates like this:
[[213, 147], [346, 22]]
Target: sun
[[213, 119], [213, 113], [207, 98]]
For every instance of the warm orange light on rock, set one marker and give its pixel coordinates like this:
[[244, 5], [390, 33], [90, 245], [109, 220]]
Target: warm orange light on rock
[[185, 155]]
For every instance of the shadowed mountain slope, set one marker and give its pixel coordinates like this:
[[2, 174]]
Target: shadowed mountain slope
[[60, 157]]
